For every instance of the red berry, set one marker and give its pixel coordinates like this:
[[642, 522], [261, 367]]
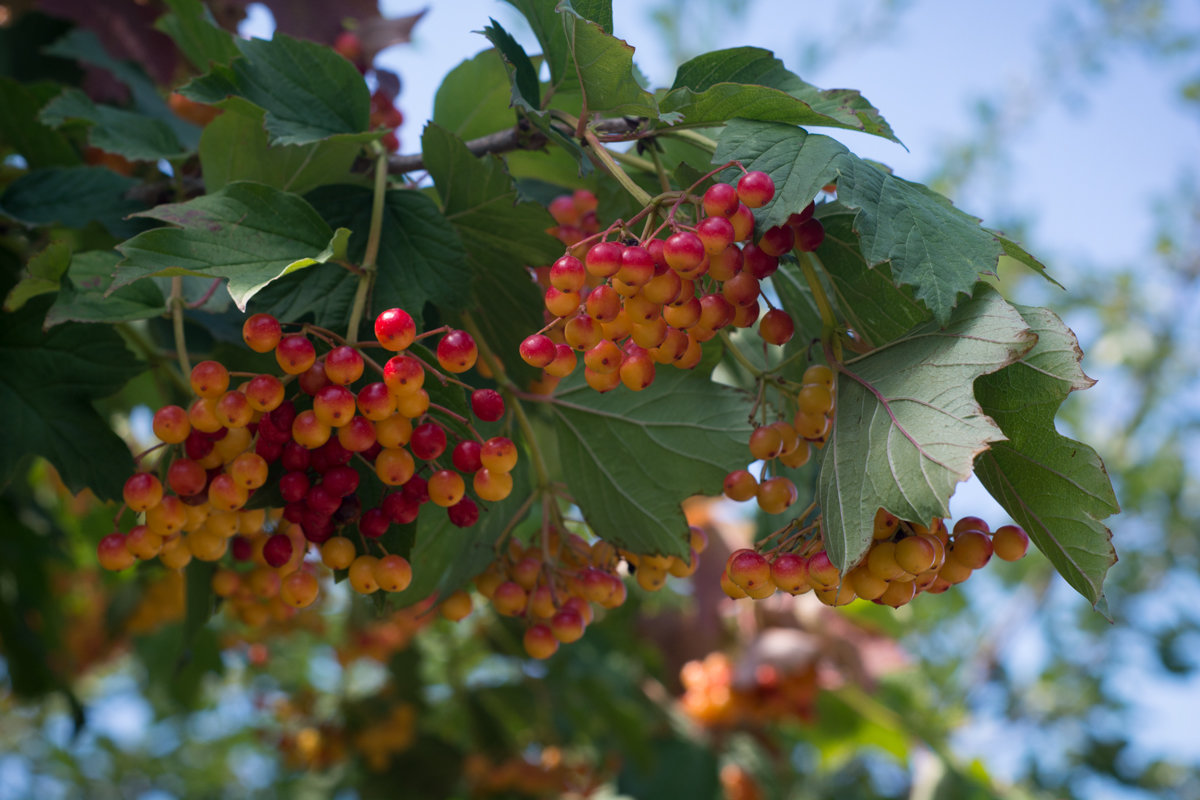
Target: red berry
[[538, 350], [755, 189], [277, 550], [464, 513], [465, 456], [395, 329], [428, 441], [720, 200], [809, 235], [604, 259], [684, 251], [457, 352], [568, 274], [343, 365], [776, 327]]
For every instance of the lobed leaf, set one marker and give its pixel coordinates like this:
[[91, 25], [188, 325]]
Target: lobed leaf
[[749, 82], [234, 147], [1053, 486], [74, 197], [85, 296], [907, 427], [474, 98], [248, 233], [525, 91], [308, 91], [630, 458], [604, 66], [191, 26], [129, 134], [20, 129]]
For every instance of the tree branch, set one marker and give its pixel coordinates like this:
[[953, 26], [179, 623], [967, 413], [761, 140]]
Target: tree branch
[[522, 136]]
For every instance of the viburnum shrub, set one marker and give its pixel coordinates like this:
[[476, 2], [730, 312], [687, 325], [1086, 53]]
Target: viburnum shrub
[[461, 375]]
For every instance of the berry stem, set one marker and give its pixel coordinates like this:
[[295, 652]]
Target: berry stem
[[739, 356], [605, 158], [664, 180], [374, 234], [177, 304], [509, 390]]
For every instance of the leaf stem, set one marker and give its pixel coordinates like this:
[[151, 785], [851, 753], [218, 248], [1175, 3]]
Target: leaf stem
[[808, 265], [374, 235], [613, 168], [637, 162], [739, 356], [691, 137], [664, 180], [177, 304]]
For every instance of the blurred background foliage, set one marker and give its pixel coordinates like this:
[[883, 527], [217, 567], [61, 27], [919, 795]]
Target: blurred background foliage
[[1009, 686]]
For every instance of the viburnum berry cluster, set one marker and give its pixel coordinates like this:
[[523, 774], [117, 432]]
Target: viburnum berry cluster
[[717, 694], [277, 465], [554, 583], [904, 559], [629, 303]]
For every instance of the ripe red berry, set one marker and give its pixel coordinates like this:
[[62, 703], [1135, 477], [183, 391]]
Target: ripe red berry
[[487, 404], [395, 329], [716, 234], [457, 352], [809, 235], [538, 350], [568, 274], [428, 441], [604, 259], [465, 456], [683, 251], [755, 189], [777, 240], [464, 513], [748, 569], [295, 354], [277, 550]]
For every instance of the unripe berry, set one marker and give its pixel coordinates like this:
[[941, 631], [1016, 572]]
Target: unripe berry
[[171, 424], [776, 327], [343, 365], [720, 200], [142, 491], [261, 332], [748, 569], [604, 259], [1010, 542], [539, 641], [457, 352], [568, 274], [538, 350], [393, 573], [295, 354]]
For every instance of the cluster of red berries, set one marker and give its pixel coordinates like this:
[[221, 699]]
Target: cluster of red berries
[[790, 443], [904, 560], [714, 695], [630, 305], [553, 586], [325, 429]]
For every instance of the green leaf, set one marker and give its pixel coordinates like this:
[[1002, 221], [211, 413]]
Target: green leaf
[[604, 65], [83, 44], [421, 259], [20, 129], [308, 91], [1054, 487], [907, 426], [234, 147], [526, 90], [630, 458], [799, 163], [502, 237], [473, 99], [191, 26], [872, 304], [85, 297], [750, 83], [46, 268], [548, 27], [445, 557], [47, 384], [249, 233], [73, 197], [933, 247], [130, 134]]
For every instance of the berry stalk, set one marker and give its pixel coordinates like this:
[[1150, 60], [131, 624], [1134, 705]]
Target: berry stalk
[[373, 238]]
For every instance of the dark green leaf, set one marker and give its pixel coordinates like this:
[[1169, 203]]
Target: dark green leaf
[[474, 97], [308, 91], [234, 147], [249, 233], [630, 458], [1054, 487], [421, 258], [673, 768], [82, 44], [526, 89], [20, 129], [199, 600], [867, 297], [84, 296], [191, 26], [751, 83], [130, 134], [323, 296], [73, 197], [933, 247], [503, 238], [29, 610], [47, 383], [907, 428]]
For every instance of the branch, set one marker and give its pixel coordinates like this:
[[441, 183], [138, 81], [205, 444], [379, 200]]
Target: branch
[[522, 136]]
